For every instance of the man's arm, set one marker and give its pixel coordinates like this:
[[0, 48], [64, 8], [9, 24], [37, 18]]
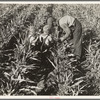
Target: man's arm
[[67, 31]]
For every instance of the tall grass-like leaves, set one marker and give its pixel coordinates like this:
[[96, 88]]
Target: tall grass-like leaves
[[25, 71]]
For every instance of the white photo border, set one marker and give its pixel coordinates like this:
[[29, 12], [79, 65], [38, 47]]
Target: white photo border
[[49, 97]]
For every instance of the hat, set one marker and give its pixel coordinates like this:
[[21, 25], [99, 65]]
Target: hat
[[46, 27]]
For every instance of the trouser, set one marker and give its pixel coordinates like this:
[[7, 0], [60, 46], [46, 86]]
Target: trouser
[[76, 31]]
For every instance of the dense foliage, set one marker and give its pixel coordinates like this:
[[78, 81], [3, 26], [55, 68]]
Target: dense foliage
[[25, 70]]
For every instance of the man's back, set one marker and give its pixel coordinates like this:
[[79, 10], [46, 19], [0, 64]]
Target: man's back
[[68, 20]]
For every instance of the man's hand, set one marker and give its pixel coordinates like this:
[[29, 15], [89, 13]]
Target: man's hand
[[61, 39]]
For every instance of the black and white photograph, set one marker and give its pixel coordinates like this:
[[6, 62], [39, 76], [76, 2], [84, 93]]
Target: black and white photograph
[[50, 49]]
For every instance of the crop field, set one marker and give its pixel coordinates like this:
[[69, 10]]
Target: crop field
[[27, 71]]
